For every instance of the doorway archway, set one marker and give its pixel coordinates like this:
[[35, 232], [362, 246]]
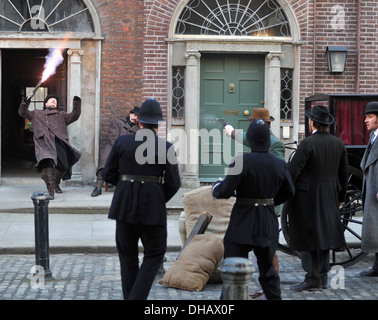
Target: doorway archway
[[200, 28], [27, 30]]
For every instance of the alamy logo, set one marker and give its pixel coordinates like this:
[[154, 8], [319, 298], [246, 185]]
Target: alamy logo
[[38, 277], [338, 19], [338, 280], [37, 17], [150, 153]]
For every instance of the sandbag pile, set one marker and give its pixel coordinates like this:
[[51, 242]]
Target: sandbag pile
[[198, 262]]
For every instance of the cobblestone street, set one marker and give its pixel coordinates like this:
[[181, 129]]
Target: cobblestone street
[[96, 277]]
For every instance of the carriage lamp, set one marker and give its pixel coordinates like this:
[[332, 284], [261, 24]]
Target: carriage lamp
[[336, 59]]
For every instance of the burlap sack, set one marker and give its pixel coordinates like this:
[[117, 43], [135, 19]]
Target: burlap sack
[[201, 199], [197, 261]]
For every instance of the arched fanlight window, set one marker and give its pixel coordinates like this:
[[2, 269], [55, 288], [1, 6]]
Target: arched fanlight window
[[45, 16], [234, 18]]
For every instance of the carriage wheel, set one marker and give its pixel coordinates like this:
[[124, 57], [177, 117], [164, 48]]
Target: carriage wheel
[[351, 218], [285, 232]]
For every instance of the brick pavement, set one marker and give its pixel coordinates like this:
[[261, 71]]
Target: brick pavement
[[96, 277]]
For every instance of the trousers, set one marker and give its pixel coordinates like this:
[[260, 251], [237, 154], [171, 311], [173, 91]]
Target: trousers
[[316, 264], [137, 280], [268, 276]]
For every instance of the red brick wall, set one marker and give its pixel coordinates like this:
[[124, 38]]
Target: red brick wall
[[369, 47], [135, 57], [122, 24], [331, 32], [158, 15]]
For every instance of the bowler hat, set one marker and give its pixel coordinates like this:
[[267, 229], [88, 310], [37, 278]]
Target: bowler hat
[[150, 112], [261, 113], [136, 110], [258, 136], [371, 107], [320, 114]]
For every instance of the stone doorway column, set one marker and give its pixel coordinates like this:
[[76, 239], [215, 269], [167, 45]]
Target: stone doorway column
[[74, 89], [273, 90], [190, 175]]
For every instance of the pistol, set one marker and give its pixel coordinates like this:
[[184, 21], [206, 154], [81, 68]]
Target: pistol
[[222, 122], [34, 90]]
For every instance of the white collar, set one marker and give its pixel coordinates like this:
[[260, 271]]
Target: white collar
[[374, 136]]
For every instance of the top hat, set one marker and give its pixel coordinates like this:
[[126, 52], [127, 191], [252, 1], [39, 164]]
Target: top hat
[[258, 136], [150, 112], [320, 114], [371, 107], [261, 113], [136, 110]]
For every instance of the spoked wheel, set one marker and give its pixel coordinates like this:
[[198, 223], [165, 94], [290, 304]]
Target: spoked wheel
[[351, 218], [285, 232]]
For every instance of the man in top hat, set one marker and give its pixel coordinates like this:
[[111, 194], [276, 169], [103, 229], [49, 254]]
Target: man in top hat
[[319, 170], [55, 156], [118, 127], [264, 181], [144, 170], [369, 166]]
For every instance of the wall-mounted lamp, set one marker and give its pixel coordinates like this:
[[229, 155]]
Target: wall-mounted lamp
[[336, 59]]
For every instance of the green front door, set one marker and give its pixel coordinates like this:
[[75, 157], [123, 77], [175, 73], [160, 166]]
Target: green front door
[[230, 86]]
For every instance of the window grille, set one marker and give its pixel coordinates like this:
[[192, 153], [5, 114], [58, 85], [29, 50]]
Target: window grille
[[234, 18], [178, 92], [37, 101], [286, 94], [45, 16]]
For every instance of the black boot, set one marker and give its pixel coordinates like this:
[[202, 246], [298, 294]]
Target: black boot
[[96, 192], [48, 177], [309, 283], [57, 177], [98, 188]]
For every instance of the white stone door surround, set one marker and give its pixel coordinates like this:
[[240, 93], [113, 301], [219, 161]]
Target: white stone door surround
[[79, 81], [274, 49]]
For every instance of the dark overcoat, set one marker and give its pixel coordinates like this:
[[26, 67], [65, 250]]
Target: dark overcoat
[[117, 127], [319, 170], [263, 176], [48, 124], [137, 202], [369, 167]]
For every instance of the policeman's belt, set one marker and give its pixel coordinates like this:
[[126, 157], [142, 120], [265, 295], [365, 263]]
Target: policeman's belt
[[142, 179], [255, 202]]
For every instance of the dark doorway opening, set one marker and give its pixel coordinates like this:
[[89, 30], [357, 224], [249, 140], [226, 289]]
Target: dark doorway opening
[[22, 69]]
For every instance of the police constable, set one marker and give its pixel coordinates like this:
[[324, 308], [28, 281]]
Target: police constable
[[55, 157], [144, 170], [277, 148], [264, 181]]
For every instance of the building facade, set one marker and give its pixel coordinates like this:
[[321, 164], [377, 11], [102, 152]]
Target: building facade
[[205, 61]]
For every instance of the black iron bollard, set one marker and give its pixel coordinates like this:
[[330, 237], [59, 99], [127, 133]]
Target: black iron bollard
[[236, 275], [41, 229]]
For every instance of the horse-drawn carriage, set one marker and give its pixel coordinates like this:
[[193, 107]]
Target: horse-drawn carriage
[[349, 126]]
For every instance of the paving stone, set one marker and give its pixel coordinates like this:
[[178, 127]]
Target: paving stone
[[97, 277]]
